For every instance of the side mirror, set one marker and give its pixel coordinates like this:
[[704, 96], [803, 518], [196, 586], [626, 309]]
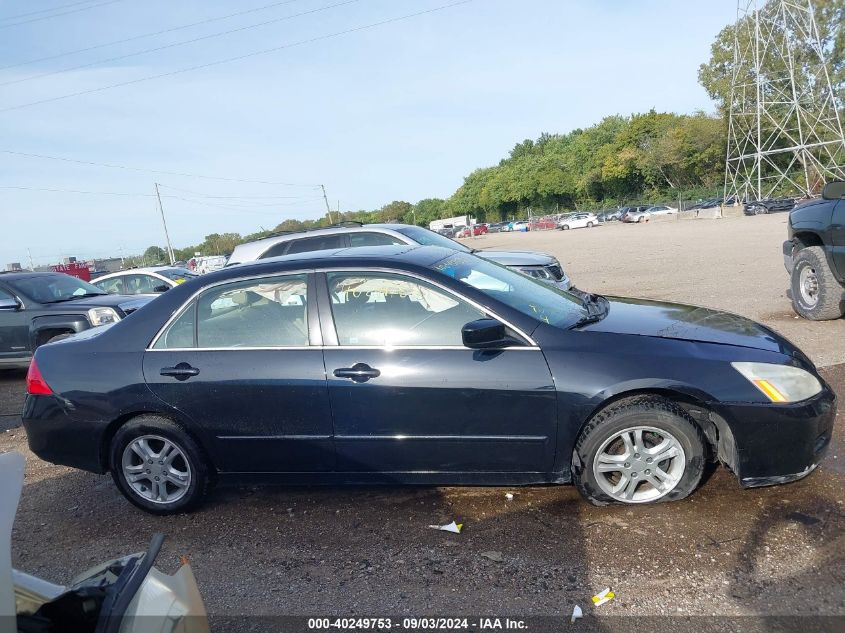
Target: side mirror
[[834, 190], [161, 288], [484, 334], [9, 304]]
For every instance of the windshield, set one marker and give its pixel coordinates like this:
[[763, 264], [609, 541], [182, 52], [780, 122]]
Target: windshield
[[430, 238], [537, 299], [176, 274], [53, 288]]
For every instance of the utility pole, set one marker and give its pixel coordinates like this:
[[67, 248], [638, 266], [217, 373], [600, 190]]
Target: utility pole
[[164, 222], [328, 208]]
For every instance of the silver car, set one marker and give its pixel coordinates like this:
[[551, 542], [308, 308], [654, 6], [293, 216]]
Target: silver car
[[538, 265]]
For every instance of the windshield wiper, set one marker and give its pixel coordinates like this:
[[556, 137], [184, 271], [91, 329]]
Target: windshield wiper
[[84, 296]]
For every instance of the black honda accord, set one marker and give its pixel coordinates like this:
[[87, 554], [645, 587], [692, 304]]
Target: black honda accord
[[401, 364]]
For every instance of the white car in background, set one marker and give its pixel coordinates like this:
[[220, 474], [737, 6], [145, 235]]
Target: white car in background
[[143, 281], [578, 221], [644, 216]]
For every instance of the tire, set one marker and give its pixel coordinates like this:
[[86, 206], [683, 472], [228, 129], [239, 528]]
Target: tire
[[156, 431], [565, 227], [816, 295], [639, 219], [589, 225], [660, 420]]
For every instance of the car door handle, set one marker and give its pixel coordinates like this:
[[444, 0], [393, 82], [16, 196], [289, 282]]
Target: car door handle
[[182, 371], [359, 372]]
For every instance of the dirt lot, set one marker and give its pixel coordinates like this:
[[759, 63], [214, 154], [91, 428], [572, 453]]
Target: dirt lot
[[367, 551]]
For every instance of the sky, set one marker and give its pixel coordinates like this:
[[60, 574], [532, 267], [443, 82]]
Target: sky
[[357, 96]]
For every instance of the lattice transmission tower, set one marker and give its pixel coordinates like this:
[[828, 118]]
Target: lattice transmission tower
[[784, 128]]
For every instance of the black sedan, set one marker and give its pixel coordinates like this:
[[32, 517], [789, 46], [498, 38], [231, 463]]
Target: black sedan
[[402, 364]]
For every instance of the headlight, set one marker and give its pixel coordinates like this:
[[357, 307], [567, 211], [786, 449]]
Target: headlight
[[780, 383], [537, 273], [102, 316]]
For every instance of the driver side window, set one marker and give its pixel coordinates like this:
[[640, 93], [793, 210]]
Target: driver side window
[[380, 309]]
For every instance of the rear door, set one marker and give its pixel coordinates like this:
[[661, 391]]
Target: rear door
[[408, 397], [243, 362]]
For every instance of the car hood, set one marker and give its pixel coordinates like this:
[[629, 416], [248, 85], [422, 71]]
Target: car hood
[[690, 323], [126, 303], [517, 258]]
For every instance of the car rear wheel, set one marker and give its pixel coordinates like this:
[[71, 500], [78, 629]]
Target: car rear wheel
[[565, 227], [589, 225], [816, 295], [639, 450], [158, 466]]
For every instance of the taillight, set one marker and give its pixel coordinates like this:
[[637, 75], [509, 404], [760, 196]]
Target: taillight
[[35, 383]]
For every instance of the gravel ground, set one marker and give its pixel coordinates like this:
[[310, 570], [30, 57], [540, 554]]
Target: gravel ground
[[367, 551]]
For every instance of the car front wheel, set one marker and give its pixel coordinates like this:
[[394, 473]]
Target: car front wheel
[[644, 449], [158, 466], [816, 295], [565, 227]]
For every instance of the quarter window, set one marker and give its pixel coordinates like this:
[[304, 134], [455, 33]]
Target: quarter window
[[393, 310], [316, 243], [372, 239]]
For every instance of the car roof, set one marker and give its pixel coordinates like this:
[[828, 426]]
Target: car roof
[[411, 253], [27, 274]]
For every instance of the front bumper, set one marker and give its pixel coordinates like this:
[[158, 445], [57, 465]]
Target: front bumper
[[788, 259], [776, 444]]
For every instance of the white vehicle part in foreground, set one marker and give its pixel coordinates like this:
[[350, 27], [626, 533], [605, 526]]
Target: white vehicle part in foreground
[[11, 481]]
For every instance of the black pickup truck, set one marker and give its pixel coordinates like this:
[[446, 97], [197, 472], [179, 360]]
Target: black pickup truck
[[814, 255], [35, 308]]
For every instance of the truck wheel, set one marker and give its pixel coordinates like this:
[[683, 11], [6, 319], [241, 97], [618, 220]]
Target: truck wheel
[[816, 295], [644, 449]]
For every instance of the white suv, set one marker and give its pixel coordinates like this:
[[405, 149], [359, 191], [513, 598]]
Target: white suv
[[352, 234]]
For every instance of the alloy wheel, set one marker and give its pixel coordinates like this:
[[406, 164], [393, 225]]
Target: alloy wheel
[[639, 464], [156, 469]]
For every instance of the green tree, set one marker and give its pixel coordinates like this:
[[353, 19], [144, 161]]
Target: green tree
[[155, 255]]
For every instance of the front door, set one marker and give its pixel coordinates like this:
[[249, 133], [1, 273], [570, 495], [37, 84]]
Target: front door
[[14, 329], [407, 396], [237, 361]]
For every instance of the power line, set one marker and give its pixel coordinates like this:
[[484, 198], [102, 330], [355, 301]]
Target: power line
[[157, 171], [227, 60], [56, 15], [228, 206], [146, 35], [61, 6], [204, 195], [175, 44]]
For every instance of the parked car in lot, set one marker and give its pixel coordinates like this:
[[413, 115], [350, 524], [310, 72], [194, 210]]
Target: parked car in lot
[[628, 211], [646, 214], [814, 255], [610, 215], [472, 231], [36, 308], [497, 227], [769, 205], [143, 281], [538, 265], [520, 225], [578, 221], [427, 365]]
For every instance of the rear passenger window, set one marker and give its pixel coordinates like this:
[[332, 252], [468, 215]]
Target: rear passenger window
[[317, 243], [269, 312], [373, 239]]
